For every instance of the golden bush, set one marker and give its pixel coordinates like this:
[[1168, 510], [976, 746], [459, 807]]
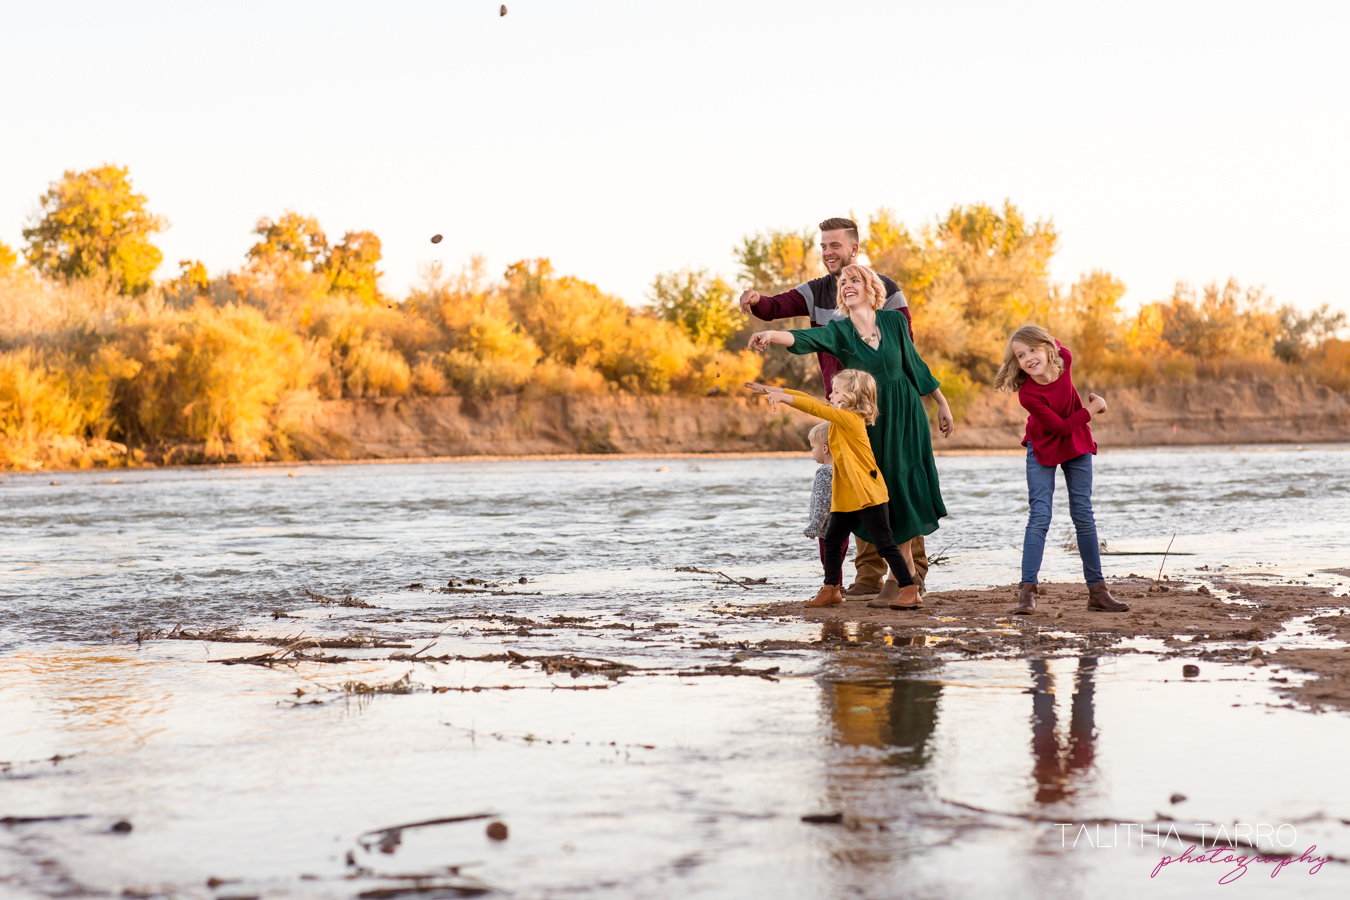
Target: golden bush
[[429, 379], [211, 376], [373, 370]]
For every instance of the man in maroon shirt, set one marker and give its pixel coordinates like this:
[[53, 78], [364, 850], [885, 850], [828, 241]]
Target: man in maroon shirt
[[818, 300]]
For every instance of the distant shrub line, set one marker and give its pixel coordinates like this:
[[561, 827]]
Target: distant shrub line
[[98, 365]]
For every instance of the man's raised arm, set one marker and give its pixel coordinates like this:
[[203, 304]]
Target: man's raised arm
[[779, 306]]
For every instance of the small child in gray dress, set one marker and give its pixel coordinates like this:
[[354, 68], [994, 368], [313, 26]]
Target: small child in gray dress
[[820, 488]]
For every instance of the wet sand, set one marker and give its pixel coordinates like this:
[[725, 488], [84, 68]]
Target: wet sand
[[1216, 620], [724, 746]]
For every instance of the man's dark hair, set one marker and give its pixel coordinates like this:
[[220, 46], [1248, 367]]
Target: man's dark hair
[[837, 223]]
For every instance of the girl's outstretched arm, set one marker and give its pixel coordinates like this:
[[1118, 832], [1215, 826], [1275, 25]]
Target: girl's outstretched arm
[[761, 340]]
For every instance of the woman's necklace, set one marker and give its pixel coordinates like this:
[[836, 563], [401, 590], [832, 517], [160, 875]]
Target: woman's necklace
[[872, 340]]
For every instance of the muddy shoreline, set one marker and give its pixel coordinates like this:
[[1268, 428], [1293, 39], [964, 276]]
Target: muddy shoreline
[[1219, 620]]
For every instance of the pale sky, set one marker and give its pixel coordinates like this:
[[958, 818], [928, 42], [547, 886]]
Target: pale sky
[[1167, 140]]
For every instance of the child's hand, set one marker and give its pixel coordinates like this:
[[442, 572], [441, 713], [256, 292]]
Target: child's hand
[[1096, 405], [776, 397], [758, 388]]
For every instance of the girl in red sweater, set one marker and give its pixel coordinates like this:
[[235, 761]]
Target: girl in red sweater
[[1037, 367]]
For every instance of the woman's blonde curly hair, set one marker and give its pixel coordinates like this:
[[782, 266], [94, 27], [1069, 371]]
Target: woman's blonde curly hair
[[876, 291], [1010, 377], [856, 392]]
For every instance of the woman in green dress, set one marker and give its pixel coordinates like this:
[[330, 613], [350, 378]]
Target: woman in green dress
[[877, 342]]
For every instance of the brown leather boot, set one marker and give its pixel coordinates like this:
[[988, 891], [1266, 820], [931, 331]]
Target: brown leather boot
[[1100, 599], [908, 599], [890, 592], [860, 591], [1026, 599], [828, 595]]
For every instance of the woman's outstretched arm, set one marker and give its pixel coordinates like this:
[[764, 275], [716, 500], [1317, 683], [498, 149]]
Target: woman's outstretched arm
[[761, 340]]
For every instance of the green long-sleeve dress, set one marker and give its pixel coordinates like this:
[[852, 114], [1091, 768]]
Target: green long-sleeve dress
[[901, 439]]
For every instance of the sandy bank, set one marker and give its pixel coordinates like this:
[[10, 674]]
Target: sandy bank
[[1223, 624], [1185, 414]]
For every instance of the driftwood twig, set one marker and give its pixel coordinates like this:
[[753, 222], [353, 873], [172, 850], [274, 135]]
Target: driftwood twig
[[1164, 559], [743, 584]]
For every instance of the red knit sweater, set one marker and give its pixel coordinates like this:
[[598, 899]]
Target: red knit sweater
[[1057, 428]]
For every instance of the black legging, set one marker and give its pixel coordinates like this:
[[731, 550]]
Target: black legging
[[878, 523]]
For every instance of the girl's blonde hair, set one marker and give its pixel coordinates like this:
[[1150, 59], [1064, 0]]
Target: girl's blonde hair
[[1010, 377], [857, 392], [876, 291], [819, 434]]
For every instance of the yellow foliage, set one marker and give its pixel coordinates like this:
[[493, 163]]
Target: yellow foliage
[[482, 377], [641, 354], [721, 369], [93, 223], [551, 378], [428, 378], [491, 335], [49, 393], [957, 387], [232, 367], [375, 371], [212, 376], [1332, 362]]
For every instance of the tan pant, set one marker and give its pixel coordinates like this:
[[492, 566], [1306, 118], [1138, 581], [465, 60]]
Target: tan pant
[[872, 568]]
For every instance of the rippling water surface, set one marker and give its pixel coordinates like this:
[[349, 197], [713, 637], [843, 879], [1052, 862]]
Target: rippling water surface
[[949, 773]]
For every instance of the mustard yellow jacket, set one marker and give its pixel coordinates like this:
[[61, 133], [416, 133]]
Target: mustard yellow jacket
[[857, 480]]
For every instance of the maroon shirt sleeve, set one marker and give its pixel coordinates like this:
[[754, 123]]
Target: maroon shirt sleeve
[[780, 306]]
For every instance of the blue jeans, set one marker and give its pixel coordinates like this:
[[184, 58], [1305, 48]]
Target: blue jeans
[[1041, 493]]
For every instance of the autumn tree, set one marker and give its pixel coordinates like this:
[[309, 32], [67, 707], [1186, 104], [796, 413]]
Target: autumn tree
[[772, 262], [1219, 322], [1301, 334], [703, 305], [292, 241], [1093, 319], [351, 266], [192, 280], [293, 257], [972, 277], [778, 260], [8, 258], [574, 323], [94, 223]]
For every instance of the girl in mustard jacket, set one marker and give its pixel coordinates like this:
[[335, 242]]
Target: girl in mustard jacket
[[858, 494]]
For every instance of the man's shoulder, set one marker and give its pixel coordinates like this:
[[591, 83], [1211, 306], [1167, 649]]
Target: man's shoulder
[[889, 284], [820, 285]]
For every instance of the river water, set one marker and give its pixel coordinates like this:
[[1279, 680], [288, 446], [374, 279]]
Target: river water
[[953, 777]]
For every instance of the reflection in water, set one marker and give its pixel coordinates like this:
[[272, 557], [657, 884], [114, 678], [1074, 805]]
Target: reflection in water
[[106, 695], [1059, 765], [883, 705]]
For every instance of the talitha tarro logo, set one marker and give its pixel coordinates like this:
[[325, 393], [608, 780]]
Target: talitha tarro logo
[[1207, 844]]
